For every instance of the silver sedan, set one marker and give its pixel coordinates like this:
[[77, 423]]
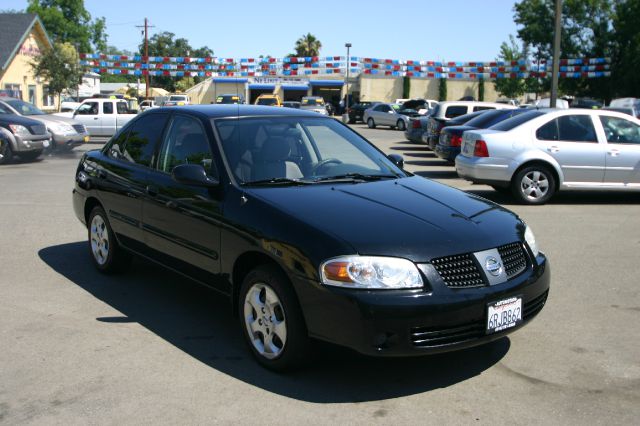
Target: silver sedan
[[540, 152], [392, 115]]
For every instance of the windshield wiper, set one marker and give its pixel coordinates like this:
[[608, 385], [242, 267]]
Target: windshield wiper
[[354, 177], [276, 181]]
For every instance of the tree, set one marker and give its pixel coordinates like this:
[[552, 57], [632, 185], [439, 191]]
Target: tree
[[307, 45], [406, 87], [626, 57], [442, 90], [510, 87], [67, 21], [165, 44], [58, 66], [481, 89]]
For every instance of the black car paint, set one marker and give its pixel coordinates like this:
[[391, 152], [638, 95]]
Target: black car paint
[[214, 235]]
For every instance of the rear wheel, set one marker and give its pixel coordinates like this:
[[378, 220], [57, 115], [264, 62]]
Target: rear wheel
[[401, 126], [31, 155], [6, 154], [271, 320], [533, 185], [371, 123], [105, 251]]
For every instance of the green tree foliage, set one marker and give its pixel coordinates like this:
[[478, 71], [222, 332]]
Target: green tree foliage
[[510, 87], [67, 21], [481, 89], [586, 32], [626, 58], [117, 78], [442, 90], [165, 44], [406, 87], [308, 45], [58, 66]]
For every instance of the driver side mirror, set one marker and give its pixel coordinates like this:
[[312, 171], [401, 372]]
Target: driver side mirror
[[397, 160], [193, 174]]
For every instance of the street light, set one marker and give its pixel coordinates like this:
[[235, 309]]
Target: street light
[[345, 116]]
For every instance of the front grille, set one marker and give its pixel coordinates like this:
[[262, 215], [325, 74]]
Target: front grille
[[513, 259], [79, 128], [425, 337], [38, 129], [459, 271]]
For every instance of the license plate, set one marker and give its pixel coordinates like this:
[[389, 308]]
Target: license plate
[[86, 138], [504, 314], [45, 144]]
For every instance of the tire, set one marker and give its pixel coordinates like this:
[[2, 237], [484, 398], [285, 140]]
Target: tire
[[31, 155], [371, 123], [6, 154], [266, 292], [533, 185], [401, 126], [108, 257]]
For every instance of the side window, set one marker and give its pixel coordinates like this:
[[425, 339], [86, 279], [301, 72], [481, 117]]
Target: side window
[[619, 130], [185, 143], [482, 108], [455, 111], [117, 145], [141, 140], [89, 108], [122, 108], [548, 132], [576, 128], [107, 108]]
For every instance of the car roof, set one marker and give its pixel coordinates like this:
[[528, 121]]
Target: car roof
[[224, 110]]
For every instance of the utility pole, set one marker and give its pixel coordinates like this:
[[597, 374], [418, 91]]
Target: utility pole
[[146, 53], [556, 55]]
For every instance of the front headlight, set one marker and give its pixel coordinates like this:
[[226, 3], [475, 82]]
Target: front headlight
[[531, 241], [19, 130], [61, 128], [370, 272]]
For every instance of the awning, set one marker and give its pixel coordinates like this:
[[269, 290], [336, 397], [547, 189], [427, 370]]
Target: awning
[[230, 80], [256, 86], [295, 87], [332, 83]]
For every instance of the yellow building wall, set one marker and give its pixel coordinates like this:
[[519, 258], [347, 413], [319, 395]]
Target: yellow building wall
[[456, 89], [424, 88], [380, 88], [20, 71]]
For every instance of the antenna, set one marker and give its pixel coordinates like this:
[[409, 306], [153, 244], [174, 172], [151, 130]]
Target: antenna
[[146, 52]]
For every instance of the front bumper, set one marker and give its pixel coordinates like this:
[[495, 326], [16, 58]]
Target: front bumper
[[395, 323], [489, 170], [448, 153], [70, 140], [31, 143]]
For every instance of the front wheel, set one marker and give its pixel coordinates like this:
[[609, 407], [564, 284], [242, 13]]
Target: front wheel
[[401, 126], [6, 154], [271, 320], [106, 254], [371, 123], [533, 185]]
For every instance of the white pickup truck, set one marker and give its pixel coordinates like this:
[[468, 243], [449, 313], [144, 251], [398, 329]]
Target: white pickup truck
[[102, 117]]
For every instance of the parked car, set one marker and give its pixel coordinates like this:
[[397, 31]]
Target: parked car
[[392, 115], [421, 105], [68, 104], [178, 100], [448, 146], [445, 111], [21, 136], [629, 106], [230, 98], [65, 132], [457, 121], [147, 104], [291, 104], [331, 109], [539, 152], [417, 127], [286, 213], [356, 112], [546, 103], [586, 103], [314, 103], [102, 117], [268, 100]]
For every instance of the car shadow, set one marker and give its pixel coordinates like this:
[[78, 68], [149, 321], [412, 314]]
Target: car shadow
[[433, 174], [200, 323], [565, 197]]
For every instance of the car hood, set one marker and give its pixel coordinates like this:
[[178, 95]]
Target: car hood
[[413, 218], [7, 119], [50, 118]]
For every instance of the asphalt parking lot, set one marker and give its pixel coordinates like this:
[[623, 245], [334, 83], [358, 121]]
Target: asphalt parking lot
[[151, 347]]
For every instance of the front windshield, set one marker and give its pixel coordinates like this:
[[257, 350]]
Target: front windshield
[[24, 108], [299, 149], [178, 98], [307, 102]]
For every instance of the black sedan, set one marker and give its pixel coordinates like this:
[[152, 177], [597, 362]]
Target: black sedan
[[357, 111], [310, 231], [450, 141], [438, 125]]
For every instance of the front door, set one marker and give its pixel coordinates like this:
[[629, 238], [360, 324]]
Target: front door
[[89, 114], [181, 222], [572, 141]]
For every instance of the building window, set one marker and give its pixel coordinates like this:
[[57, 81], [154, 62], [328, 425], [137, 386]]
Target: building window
[[13, 89], [32, 94], [47, 98]]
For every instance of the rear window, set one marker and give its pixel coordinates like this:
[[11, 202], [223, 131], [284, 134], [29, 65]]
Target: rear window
[[455, 111], [483, 108], [267, 101], [514, 122]]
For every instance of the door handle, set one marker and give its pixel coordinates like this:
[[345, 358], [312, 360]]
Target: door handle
[[152, 190], [614, 152], [553, 149], [95, 118]]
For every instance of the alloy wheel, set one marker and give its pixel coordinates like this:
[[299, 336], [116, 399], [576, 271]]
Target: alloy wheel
[[99, 240], [265, 320], [534, 185]]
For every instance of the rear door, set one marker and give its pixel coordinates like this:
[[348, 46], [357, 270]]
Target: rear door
[[572, 141], [623, 150]]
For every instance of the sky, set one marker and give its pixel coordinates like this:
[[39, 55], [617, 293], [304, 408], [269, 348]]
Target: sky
[[449, 30]]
